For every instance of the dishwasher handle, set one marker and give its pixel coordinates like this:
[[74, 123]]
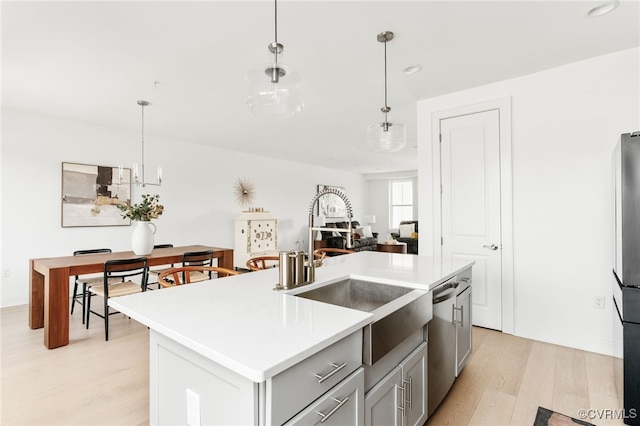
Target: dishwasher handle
[[445, 292]]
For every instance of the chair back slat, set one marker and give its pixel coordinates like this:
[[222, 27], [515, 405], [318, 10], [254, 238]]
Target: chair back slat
[[161, 246], [198, 258], [321, 252], [182, 274], [262, 262], [91, 251], [127, 269]]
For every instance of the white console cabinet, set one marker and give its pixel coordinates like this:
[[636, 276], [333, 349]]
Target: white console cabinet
[[256, 234], [400, 398]]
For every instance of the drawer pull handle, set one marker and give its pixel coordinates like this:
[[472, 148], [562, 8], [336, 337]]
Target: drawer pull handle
[[325, 417], [409, 393], [336, 368], [402, 407]]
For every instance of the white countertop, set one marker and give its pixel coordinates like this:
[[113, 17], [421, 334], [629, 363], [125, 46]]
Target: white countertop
[[241, 323]]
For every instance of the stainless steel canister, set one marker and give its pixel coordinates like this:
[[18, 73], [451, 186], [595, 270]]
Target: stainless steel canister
[[287, 267], [299, 277]]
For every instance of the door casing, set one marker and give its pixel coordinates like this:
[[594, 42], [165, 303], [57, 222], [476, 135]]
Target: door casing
[[503, 105]]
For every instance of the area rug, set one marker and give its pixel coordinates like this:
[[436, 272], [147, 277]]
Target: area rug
[[546, 417]]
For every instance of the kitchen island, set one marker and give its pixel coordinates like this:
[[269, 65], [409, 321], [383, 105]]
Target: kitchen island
[[234, 351]]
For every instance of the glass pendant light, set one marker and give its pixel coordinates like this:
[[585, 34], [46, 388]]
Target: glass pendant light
[[274, 88], [386, 136]]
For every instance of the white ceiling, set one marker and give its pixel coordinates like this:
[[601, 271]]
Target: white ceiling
[[91, 62]]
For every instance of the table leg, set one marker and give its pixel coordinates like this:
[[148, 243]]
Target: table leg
[[226, 260], [56, 308], [36, 298]]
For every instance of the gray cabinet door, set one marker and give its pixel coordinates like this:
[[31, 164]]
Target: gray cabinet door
[[414, 376], [463, 329], [382, 402]]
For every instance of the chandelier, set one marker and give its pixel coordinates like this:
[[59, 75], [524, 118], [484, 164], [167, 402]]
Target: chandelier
[[138, 172]]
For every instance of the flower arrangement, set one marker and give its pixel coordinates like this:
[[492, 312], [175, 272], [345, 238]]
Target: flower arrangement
[[149, 209]]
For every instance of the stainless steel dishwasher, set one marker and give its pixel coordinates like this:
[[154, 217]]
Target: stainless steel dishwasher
[[449, 336]]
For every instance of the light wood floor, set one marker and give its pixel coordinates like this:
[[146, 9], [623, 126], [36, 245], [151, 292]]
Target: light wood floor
[[508, 377], [92, 382]]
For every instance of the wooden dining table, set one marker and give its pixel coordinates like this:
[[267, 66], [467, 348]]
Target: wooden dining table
[[49, 283]]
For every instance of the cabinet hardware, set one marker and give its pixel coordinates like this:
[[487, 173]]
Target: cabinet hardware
[[453, 316], [325, 417], [491, 247], [409, 393], [336, 368], [402, 406]]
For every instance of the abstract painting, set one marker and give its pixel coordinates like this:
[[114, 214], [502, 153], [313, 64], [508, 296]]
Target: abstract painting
[[91, 195]]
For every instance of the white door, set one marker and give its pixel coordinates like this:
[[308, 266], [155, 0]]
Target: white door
[[470, 176]]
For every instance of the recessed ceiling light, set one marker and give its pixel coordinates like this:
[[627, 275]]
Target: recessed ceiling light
[[412, 69], [604, 8]]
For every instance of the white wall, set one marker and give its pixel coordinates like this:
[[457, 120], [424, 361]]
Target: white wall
[[565, 123], [197, 191]]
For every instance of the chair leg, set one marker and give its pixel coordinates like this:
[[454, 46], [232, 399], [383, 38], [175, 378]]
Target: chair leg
[[106, 319], [88, 305], [84, 300], [73, 299]]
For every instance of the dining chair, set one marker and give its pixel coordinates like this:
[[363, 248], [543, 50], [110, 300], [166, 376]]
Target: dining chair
[[86, 281], [329, 251], [183, 274], [125, 270], [262, 262], [157, 271], [198, 258]]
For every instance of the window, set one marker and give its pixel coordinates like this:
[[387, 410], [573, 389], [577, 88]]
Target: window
[[401, 204]]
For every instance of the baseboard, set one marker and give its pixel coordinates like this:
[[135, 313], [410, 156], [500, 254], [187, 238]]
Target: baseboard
[[585, 343], [13, 301]]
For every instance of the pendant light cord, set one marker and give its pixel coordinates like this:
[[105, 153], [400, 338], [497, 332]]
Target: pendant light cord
[[386, 106], [142, 138], [275, 26], [276, 19]]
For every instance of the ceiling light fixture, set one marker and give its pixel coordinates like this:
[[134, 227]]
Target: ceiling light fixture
[[274, 88], [412, 69], [604, 8], [138, 173], [385, 136]]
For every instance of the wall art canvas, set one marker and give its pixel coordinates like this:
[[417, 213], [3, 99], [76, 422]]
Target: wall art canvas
[[331, 205], [91, 195]]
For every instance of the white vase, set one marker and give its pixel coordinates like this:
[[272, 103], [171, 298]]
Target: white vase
[[142, 239]]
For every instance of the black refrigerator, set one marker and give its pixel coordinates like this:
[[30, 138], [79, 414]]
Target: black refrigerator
[[626, 271]]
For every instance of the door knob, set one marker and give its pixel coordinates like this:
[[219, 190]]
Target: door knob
[[491, 247]]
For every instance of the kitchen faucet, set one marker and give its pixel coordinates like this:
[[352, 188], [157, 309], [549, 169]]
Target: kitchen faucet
[[310, 264], [298, 268]]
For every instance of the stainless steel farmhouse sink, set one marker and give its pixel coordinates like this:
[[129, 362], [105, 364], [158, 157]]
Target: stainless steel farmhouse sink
[[398, 311]]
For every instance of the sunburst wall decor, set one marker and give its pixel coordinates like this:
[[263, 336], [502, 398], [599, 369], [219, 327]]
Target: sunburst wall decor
[[245, 192]]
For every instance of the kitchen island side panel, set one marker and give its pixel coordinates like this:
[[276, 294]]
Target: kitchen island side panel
[[187, 388]]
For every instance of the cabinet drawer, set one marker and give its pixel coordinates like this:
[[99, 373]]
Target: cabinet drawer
[[343, 405], [295, 388]]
